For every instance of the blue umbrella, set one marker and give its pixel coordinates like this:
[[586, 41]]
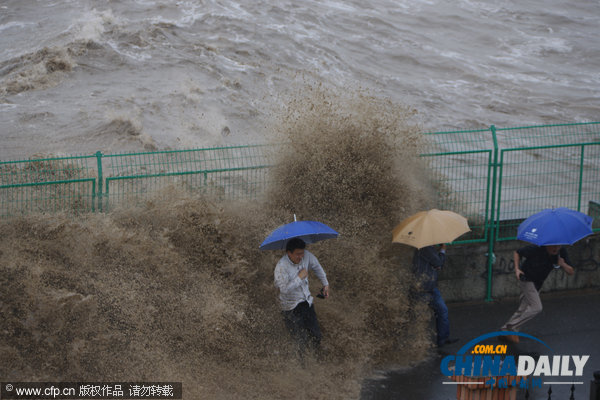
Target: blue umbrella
[[555, 226], [309, 231]]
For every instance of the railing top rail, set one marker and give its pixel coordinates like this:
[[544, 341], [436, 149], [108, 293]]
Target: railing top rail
[[454, 153], [548, 126], [540, 136], [180, 173], [454, 132], [551, 146], [186, 150], [37, 160], [513, 128], [59, 182]]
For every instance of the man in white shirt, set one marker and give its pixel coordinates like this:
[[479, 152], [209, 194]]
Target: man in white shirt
[[291, 277]]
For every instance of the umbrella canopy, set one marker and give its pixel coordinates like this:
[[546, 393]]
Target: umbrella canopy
[[309, 231], [555, 226], [431, 227]]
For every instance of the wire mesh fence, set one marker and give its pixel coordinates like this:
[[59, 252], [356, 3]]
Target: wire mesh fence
[[498, 177], [225, 172], [534, 178], [48, 185], [464, 187], [495, 177]]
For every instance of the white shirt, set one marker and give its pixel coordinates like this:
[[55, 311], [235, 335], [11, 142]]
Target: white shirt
[[292, 289]]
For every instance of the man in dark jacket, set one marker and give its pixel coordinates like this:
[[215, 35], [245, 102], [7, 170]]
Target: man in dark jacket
[[427, 261], [539, 262]]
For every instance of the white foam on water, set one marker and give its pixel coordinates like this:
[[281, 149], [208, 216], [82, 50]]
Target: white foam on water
[[139, 56], [13, 25], [4, 107], [246, 53], [91, 26]]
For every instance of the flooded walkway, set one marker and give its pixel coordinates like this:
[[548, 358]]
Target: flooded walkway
[[569, 324]]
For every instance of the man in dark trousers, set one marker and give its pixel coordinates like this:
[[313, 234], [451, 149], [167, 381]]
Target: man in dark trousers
[[291, 277], [427, 261], [539, 262]]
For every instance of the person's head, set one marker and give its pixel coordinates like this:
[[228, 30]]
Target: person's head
[[553, 249], [295, 249]]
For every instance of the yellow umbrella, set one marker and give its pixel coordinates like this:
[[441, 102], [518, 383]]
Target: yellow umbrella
[[431, 227]]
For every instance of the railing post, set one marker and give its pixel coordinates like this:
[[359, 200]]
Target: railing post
[[492, 219], [99, 161], [580, 178]]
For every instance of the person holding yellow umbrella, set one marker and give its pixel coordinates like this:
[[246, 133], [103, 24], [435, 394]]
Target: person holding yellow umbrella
[[424, 231]]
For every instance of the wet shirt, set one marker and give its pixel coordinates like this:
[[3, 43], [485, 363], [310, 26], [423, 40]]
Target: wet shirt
[[538, 263], [292, 289], [426, 262]]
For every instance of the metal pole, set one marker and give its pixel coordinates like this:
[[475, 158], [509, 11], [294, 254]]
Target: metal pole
[[580, 178], [492, 219], [99, 160]]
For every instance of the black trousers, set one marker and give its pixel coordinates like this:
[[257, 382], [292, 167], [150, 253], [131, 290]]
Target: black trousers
[[303, 325]]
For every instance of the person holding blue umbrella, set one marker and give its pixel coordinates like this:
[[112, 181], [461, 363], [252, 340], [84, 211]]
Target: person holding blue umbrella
[[547, 231], [291, 277], [539, 262]]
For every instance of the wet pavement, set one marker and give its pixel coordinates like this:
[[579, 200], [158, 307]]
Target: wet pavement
[[569, 324]]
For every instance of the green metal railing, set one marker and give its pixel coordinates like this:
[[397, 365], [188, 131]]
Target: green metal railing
[[228, 172], [563, 175], [90, 183], [498, 177], [494, 177], [47, 185]]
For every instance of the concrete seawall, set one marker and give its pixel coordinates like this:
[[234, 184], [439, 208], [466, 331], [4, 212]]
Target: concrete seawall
[[465, 275]]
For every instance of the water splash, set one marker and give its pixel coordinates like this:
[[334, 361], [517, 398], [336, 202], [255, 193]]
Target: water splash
[[178, 290]]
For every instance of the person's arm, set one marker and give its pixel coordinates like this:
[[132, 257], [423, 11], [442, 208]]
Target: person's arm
[[315, 266], [564, 263], [433, 257], [517, 261], [284, 282], [442, 254]]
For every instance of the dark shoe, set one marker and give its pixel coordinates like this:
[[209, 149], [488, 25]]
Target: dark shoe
[[448, 341]]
